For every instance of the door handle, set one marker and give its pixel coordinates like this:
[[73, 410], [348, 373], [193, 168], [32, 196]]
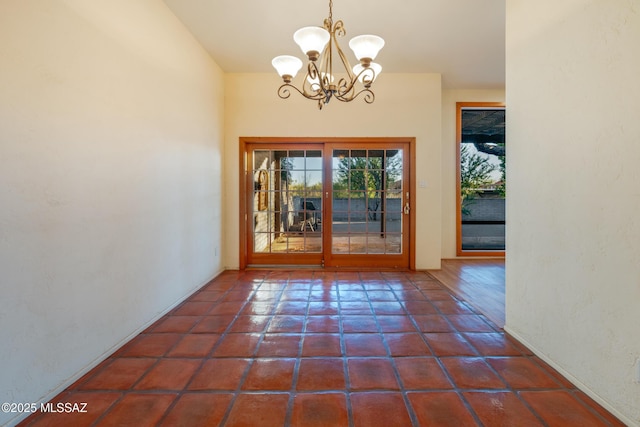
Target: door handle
[[407, 208]]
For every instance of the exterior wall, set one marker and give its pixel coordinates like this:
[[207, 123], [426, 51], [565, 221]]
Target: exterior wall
[[573, 276], [111, 127], [486, 209], [407, 105], [484, 236], [356, 210]]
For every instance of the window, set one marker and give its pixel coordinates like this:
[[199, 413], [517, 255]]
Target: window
[[481, 179]]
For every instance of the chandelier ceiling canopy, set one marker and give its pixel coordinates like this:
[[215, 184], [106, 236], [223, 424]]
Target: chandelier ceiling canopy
[[319, 44]]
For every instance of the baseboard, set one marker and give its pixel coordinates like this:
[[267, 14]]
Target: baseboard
[[582, 387], [104, 356]]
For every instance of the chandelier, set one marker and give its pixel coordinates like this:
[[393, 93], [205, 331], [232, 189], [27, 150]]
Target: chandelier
[[319, 84]]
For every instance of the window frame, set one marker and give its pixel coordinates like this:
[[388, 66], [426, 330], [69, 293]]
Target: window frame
[[459, 251]]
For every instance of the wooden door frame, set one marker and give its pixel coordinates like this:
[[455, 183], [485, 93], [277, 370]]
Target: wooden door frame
[[244, 184], [380, 260], [459, 251]]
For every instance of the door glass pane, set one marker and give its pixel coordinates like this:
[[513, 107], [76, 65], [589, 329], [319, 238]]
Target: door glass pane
[[367, 202], [393, 244], [340, 243], [313, 180], [314, 160], [482, 179], [287, 202]]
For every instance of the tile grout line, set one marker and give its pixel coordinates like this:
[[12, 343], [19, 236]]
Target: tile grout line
[[296, 367], [131, 389], [510, 389], [403, 392], [345, 361], [483, 345], [245, 374], [209, 355], [224, 334], [455, 389]]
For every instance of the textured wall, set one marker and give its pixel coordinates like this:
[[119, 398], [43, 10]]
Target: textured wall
[[110, 181], [573, 235]]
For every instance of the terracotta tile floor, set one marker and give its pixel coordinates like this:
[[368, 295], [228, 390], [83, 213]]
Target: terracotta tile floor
[[317, 348]]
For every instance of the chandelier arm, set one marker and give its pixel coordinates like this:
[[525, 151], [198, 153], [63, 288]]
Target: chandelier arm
[[314, 77], [369, 96], [339, 31], [345, 89], [320, 96], [368, 75], [284, 92]]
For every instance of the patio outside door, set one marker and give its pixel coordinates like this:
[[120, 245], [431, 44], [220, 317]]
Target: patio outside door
[[342, 203]]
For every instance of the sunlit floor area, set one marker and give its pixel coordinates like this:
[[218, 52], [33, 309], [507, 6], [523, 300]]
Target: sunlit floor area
[[480, 282], [325, 348], [312, 243], [352, 238]]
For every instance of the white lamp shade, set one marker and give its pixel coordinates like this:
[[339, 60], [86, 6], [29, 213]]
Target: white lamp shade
[[311, 39], [377, 69], [366, 46], [287, 65]]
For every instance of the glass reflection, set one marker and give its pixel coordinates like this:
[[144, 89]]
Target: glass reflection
[[287, 201], [367, 193]]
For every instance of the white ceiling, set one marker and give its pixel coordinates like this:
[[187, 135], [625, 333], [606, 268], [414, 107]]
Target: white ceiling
[[461, 39]]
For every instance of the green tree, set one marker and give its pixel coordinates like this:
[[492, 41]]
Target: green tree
[[475, 174], [502, 188], [494, 148], [363, 177], [286, 165]]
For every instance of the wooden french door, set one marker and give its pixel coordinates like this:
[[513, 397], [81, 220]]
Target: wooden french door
[[336, 203]]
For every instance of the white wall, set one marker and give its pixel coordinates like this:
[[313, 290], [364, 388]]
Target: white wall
[[573, 270], [449, 159], [407, 105], [111, 127]]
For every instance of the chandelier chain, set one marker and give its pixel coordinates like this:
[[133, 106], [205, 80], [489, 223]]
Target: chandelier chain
[[331, 11]]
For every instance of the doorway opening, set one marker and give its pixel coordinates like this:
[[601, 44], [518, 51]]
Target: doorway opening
[[341, 202]]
